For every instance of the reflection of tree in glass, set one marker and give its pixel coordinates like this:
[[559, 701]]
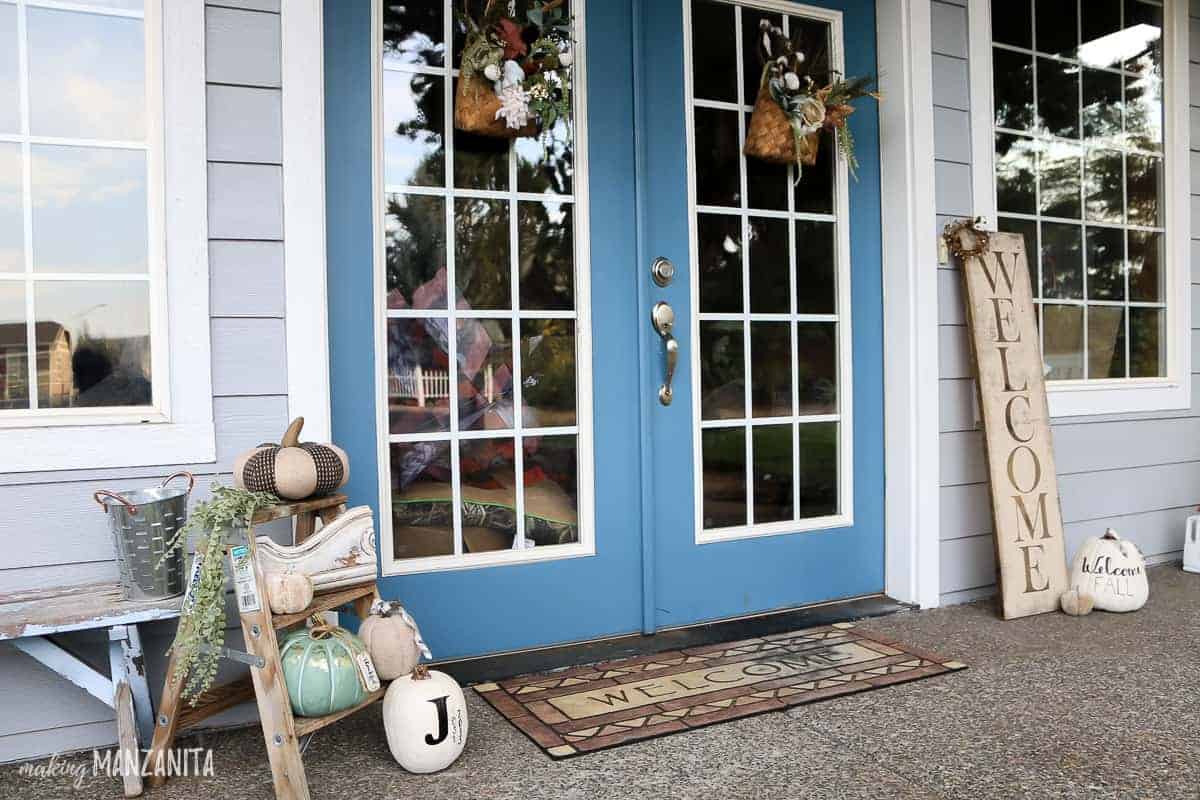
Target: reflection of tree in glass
[[548, 369], [1012, 79], [415, 234], [1104, 178], [481, 254], [1062, 260], [1143, 112], [1015, 179], [721, 370], [1060, 174], [1144, 188], [413, 32], [546, 256], [108, 373], [416, 250], [1145, 343]]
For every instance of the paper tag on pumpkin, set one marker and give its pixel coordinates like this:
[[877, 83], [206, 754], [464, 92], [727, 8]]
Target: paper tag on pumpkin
[[245, 586], [366, 672]]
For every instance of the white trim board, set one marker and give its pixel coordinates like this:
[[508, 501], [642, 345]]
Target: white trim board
[[1091, 397], [182, 431], [307, 320], [910, 297]]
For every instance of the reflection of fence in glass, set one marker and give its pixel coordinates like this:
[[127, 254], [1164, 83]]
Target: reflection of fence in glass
[[424, 386]]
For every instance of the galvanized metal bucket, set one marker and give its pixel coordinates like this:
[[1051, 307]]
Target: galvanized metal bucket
[[143, 522]]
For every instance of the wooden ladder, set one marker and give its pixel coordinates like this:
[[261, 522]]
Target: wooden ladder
[[265, 683]]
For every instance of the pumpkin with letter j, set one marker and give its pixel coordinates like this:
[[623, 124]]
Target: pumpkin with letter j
[[292, 469]]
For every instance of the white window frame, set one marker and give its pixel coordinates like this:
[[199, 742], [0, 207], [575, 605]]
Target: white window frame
[[1123, 395], [179, 428], [844, 416], [585, 452]]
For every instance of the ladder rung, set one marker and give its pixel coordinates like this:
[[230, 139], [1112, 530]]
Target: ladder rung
[[307, 725], [216, 700], [325, 602], [285, 510]]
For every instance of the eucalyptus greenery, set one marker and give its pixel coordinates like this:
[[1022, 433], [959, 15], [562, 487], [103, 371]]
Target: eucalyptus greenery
[[534, 34], [201, 633]]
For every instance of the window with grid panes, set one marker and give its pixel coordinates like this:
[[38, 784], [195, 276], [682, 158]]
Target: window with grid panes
[[78, 275], [1079, 165], [771, 269], [486, 430]]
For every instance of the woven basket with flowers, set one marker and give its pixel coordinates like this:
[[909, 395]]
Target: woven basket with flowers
[[790, 110], [516, 69]]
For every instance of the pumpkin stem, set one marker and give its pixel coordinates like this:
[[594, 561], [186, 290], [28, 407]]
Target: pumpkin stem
[[291, 436], [420, 672]]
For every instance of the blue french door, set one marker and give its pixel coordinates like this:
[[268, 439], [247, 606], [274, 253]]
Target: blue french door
[[768, 464], [514, 511]]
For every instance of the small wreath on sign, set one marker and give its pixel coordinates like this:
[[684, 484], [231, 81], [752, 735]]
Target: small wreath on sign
[[954, 240]]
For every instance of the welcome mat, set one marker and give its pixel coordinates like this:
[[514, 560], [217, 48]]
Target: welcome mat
[[580, 710]]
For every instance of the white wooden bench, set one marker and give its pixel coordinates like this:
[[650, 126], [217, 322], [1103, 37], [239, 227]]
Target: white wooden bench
[[28, 619]]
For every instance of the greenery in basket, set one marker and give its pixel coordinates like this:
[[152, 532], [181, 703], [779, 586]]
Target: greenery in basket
[[201, 633], [809, 106], [524, 49]]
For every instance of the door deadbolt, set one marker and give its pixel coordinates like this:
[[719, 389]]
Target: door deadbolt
[[662, 271]]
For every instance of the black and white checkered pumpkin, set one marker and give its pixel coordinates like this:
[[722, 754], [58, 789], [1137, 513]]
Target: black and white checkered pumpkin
[[292, 469]]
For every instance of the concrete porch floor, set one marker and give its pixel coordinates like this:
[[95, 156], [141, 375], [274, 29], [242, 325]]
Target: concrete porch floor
[[1106, 706]]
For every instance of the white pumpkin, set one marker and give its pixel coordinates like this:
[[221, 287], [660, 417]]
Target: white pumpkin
[[1112, 571], [425, 719], [289, 592], [393, 640], [1076, 603]]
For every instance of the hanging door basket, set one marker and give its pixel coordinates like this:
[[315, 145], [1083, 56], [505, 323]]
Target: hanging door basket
[[770, 136], [475, 107]]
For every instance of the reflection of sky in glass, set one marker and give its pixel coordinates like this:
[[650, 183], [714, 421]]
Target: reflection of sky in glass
[[10, 99], [89, 209], [12, 306], [86, 75], [1111, 50], [414, 158], [11, 228], [126, 5], [100, 309]]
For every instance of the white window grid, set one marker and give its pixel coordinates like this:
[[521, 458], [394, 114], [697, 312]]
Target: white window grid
[[1120, 144], [451, 315], [841, 318], [27, 141]]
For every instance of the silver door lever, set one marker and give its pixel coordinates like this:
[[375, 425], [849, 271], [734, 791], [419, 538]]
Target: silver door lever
[[662, 317]]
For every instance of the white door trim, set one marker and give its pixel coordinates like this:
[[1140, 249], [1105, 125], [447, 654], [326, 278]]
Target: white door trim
[[910, 301], [307, 324]]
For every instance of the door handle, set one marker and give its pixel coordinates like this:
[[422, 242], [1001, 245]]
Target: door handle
[[662, 317]]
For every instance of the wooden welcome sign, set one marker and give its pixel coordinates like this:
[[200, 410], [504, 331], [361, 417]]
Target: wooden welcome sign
[[1002, 326]]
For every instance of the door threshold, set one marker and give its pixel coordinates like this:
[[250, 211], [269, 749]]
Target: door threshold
[[507, 665]]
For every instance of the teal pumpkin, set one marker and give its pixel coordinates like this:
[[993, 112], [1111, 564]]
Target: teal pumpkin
[[321, 670]]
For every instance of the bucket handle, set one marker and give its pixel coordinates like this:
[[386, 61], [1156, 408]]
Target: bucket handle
[[112, 496], [183, 473], [130, 506]]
